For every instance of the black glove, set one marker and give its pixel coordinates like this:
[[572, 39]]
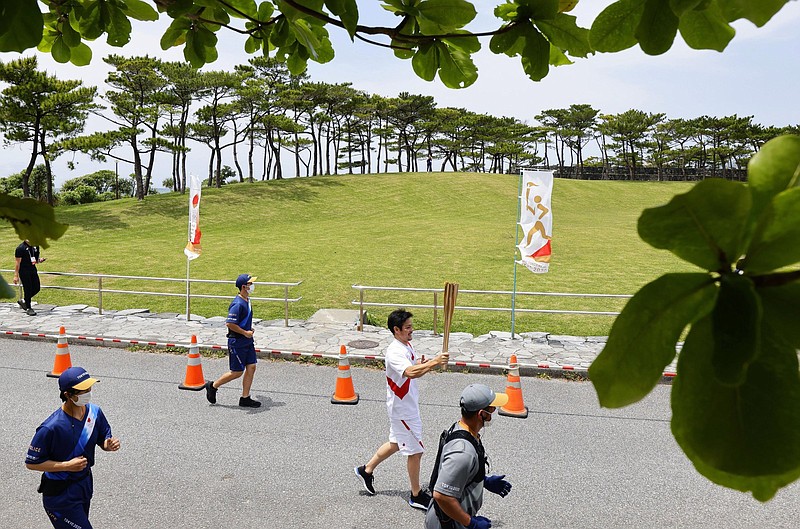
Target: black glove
[[497, 484]]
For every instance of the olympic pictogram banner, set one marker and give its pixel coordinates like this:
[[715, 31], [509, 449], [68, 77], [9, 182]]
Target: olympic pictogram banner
[[536, 221], [192, 249]]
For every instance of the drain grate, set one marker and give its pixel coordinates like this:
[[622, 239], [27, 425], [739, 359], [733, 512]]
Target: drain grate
[[363, 344]]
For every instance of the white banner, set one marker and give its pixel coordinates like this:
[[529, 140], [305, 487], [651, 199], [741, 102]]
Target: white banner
[[536, 220], [193, 249]]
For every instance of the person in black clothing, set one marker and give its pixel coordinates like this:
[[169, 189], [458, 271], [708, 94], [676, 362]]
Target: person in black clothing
[[27, 257]]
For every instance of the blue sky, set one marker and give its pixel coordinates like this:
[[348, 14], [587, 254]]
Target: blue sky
[[757, 75]]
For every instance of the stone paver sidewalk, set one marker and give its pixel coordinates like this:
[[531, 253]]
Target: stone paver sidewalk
[[536, 352]]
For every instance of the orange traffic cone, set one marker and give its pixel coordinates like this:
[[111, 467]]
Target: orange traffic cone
[[344, 393], [62, 361], [194, 379], [514, 407]]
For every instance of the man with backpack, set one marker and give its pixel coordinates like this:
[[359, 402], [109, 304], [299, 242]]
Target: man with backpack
[[459, 474]]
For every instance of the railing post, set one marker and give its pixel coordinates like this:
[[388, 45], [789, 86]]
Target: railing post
[[100, 294], [285, 305], [435, 297], [360, 309]]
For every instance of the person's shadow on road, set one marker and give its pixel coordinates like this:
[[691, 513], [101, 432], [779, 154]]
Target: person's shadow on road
[[266, 404]]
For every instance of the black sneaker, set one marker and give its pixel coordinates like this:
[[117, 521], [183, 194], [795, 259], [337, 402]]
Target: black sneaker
[[366, 479], [211, 392], [21, 304], [30, 312], [420, 501], [247, 402]]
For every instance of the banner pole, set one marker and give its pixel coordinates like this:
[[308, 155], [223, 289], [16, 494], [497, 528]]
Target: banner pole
[[516, 240], [188, 308]]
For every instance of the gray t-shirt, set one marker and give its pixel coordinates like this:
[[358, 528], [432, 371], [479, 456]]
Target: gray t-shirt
[[458, 468]]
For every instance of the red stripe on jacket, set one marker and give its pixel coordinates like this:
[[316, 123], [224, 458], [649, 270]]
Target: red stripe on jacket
[[400, 391]]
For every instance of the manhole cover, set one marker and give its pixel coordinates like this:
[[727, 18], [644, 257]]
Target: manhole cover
[[362, 344]]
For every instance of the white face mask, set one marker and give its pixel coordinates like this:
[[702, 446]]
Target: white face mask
[[83, 399], [486, 422], [251, 288]]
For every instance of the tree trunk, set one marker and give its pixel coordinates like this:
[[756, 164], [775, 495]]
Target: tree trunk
[[48, 172]]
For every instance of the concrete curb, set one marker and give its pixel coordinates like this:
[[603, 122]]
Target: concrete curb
[[528, 370]]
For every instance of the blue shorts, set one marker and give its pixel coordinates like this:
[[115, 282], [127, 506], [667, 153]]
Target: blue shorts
[[240, 355]]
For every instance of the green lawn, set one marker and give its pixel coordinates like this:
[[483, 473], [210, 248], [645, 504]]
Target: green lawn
[[405, 230]]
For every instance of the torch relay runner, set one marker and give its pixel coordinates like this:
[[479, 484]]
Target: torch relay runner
[[403, 368]]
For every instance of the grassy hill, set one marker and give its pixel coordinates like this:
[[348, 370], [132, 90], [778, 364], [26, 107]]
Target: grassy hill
[[404, 230]]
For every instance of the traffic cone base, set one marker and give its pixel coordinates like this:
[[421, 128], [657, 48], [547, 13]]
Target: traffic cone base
[[344, 392], [62, 361], [194, 380], [515, 406], [518, 414]]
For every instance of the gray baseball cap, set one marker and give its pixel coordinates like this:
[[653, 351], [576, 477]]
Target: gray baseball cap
[[477, 397]]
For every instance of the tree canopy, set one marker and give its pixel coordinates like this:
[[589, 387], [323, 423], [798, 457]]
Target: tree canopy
[[434, 34]]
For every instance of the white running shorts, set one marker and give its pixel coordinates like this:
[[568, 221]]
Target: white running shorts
[[407, 433]]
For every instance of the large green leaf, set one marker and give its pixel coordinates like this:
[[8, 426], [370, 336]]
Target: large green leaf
[[563, 32], [139, 10], [557, 57], [426, 61], [679, 7], [443, 16], [615, 27], [347, 11], [32, 220], [80, 55], [736, 321], [467, 43], [6, 291], [746, 437], [706, 29], [90, 23], [265, 10], [456, 69], [657, 28], [242, 8], [510, 42], [759, 12], [175, 35], [119, 26], [642, 340], [776, 241], [535, 54], [21, 25], [705, 226], [507, 12], [540, 9], [70, 36], [60, 51], [306, 37], [781, 312], [774, 168]]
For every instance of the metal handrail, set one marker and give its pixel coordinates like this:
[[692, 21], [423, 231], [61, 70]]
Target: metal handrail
[[100, 290], [436, 291]]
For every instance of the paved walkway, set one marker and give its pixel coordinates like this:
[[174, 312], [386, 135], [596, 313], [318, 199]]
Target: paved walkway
[[536, 352]]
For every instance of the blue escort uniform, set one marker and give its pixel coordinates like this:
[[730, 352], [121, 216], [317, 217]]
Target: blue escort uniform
[[241, 349], [67, 495]]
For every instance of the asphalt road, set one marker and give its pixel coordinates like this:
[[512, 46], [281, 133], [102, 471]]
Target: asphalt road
[[186, 464]]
